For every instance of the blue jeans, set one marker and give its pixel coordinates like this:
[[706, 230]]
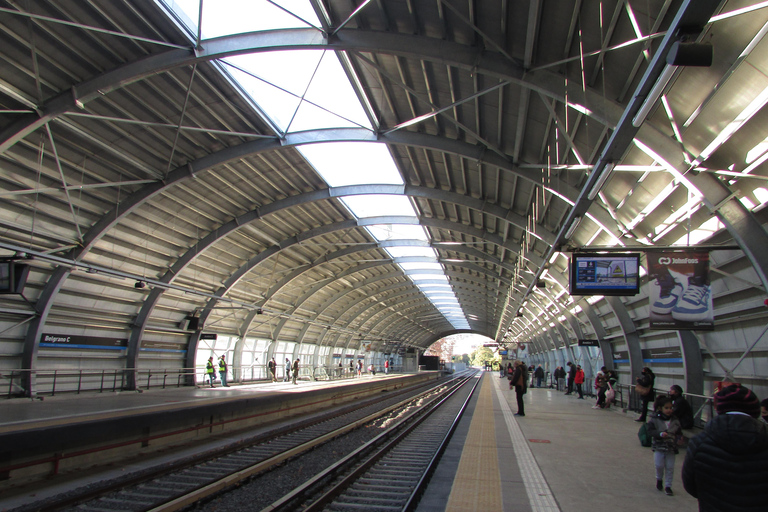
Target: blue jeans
[[223, 376]]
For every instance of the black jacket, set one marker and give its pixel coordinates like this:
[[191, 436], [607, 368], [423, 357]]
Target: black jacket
[[726, 466], [520, 379], [648, 381], [682, 410], [539, 372]]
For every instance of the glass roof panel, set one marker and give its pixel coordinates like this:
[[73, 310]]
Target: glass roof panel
[[379, 205], [401, 252], [225, 17], [427, 277], [352, 163], [420, 266], [382, 232]]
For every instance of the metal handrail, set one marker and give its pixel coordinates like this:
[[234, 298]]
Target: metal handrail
[[100, 380]]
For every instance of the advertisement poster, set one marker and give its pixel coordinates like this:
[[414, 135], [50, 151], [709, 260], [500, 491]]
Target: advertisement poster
[[680, 293]]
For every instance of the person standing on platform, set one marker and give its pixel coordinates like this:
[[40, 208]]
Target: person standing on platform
[[539, 374], [680, 406], [209, 371], [560, 378], [272, 365], [664, 430], [579, 381], [295, 370], [601, 385], [646, 379], [223, 371], [764, 410], [287, 376], [571, 376], [359, 368], [519, 381], [726, 466], [386, 367]]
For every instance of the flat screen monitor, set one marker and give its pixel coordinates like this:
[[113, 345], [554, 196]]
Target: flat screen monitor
[[605, 274], [13, 276]]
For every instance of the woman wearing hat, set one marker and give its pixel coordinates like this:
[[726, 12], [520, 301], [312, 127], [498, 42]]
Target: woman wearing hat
[[726, 466]]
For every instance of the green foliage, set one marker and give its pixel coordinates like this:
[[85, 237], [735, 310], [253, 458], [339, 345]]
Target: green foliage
[[483, 355]]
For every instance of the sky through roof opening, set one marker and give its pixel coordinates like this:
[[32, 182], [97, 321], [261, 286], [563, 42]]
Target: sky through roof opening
[[300, 90]]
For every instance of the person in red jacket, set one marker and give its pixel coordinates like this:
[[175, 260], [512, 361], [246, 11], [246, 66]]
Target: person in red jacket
[[579, 381]]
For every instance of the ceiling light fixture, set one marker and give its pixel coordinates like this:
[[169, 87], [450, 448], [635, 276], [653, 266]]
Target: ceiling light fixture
[[607, 170], [654, 95], [574, 225]]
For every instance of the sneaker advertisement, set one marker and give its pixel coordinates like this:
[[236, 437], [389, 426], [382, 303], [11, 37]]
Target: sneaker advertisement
[[680, 296]]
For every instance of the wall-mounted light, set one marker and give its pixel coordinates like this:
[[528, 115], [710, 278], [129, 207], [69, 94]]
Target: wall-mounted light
[[607, 170], [140, 284], [574, 224]]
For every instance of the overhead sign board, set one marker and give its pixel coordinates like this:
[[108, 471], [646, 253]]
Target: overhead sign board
[[589, 343]]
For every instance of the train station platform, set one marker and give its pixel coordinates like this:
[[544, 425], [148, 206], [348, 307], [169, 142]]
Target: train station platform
[[561, 456]]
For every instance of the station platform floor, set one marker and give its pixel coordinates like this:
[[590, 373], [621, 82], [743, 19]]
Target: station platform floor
[[20, 414], [562, 456]]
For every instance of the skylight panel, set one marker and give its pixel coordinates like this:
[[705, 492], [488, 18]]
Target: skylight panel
[[300, 89], [427, 277], [379, 205], [225, 17], [402, 252], [384, 232], [352, 163], [420, 266]]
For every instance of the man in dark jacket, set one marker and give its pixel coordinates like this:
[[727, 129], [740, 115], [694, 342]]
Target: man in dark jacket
[[571, 376], [726, 466], [519, 381], [539, 374], [681, 408]]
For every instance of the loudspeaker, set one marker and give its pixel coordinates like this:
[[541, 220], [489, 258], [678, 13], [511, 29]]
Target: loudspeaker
[[690, 54], [193, 323], [541, 283]]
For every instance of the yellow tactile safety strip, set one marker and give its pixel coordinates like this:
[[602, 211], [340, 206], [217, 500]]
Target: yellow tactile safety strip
[[477, 485]]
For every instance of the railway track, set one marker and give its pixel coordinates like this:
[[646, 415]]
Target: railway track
[[184, 487], [393, 476]]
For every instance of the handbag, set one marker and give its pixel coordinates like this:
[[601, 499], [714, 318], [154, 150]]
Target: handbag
[[642, 390]]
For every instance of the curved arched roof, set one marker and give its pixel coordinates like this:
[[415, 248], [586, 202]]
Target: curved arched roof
[[131, 154]]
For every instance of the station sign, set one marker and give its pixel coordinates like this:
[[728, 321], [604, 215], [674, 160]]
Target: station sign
[[589, 343], [76, 341]]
